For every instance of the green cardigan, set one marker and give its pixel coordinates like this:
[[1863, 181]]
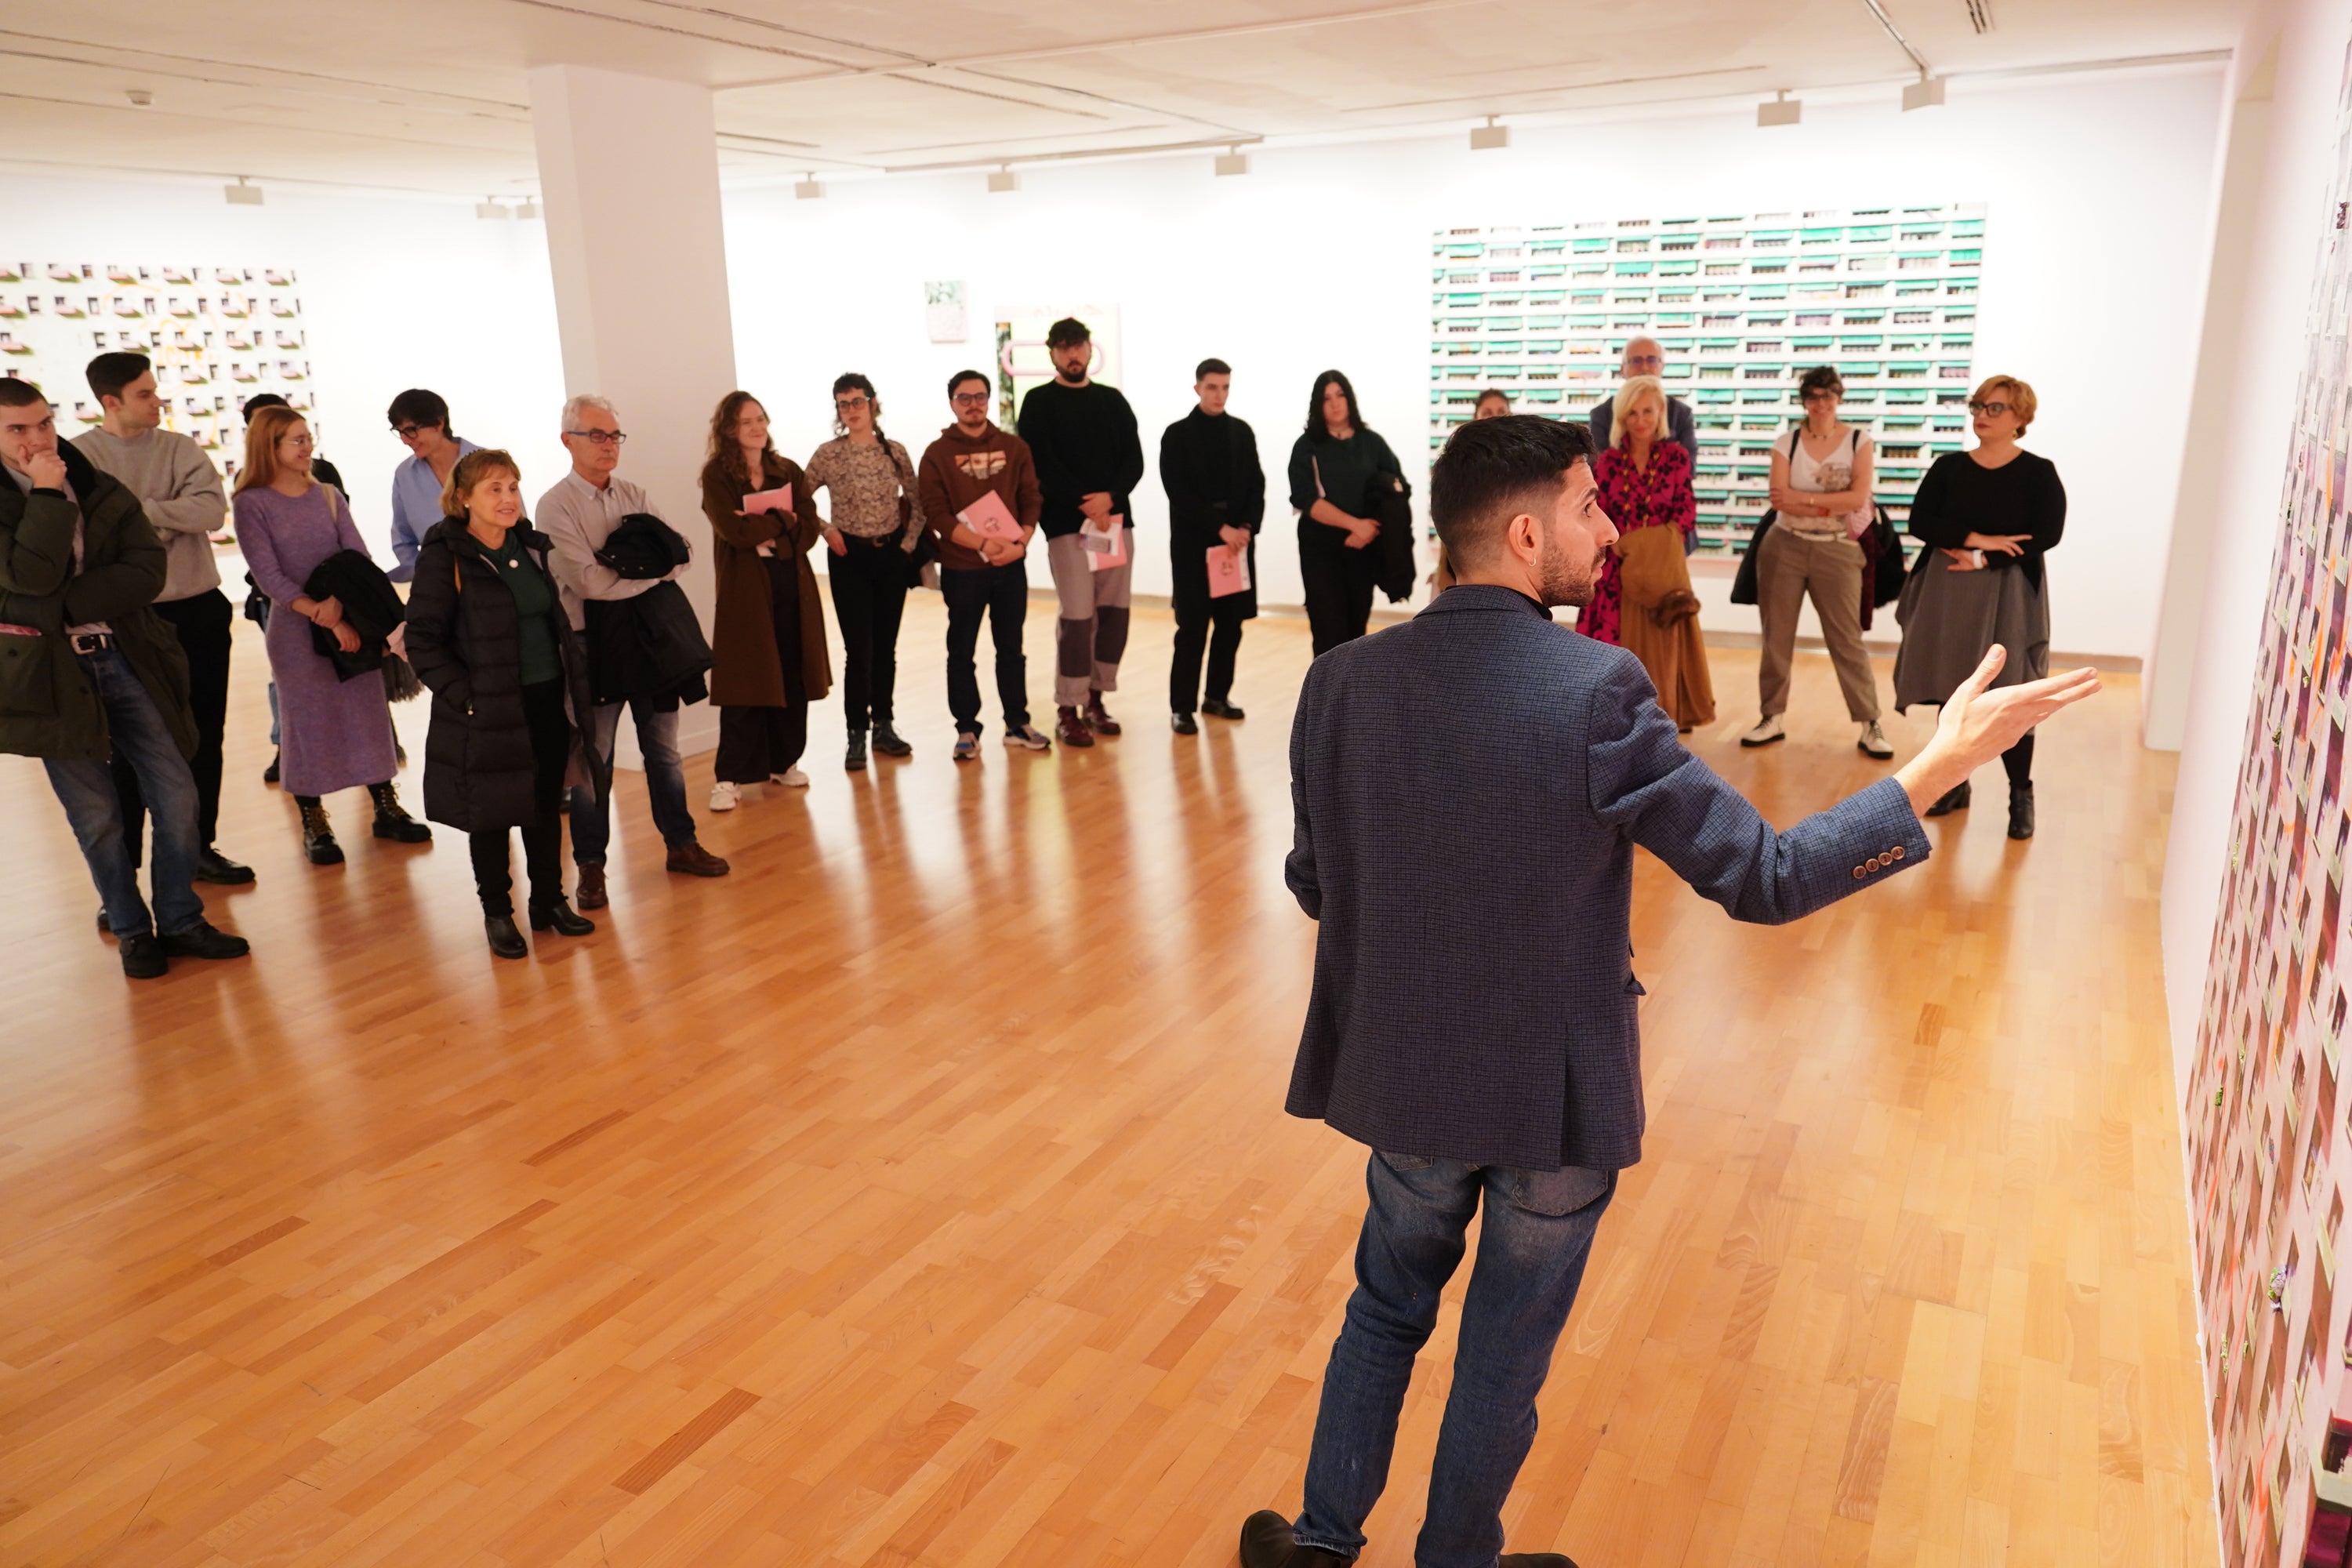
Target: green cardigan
[[49, 708]]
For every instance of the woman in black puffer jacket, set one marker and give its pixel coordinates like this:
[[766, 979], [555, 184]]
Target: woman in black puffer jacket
[[488, 633]]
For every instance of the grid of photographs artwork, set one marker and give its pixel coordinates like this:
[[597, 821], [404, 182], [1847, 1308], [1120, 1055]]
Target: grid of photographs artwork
[[218, 335], [1742, 306], [2268, 1163]]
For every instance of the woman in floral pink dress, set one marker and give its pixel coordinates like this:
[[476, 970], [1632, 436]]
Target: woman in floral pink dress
[[1644, 482]]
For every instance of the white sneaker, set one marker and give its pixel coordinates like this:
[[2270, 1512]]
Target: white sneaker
[[790, 778], [1028, 738], [1874, 741], [1768, 730], [724, 797]]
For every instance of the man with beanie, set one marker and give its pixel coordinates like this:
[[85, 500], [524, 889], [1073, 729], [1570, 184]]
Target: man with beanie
[[1088, 456], [981, 573]]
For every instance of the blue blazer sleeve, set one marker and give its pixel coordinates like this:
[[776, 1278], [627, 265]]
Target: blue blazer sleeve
[[1649, 788], [1298, 868]]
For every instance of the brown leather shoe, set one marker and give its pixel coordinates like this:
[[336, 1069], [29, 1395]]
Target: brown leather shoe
[[592, 887], [1071, 730], [1099, 718], [694, 860]]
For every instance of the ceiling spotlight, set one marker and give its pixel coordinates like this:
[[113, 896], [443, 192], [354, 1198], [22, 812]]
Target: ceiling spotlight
[[241, 194], [1002, 180], [489, 208], [1927, 93], [1233, 161], [527, 208], [1782, 110], [1485, 138], [139, 96], [808, 188]]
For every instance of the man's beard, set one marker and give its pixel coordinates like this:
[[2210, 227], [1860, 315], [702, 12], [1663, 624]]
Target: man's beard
[[1561, 578], [1073, 373]]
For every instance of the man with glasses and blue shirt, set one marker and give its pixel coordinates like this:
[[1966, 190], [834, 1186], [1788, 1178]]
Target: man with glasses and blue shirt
[[421, 419], [577, 516], [89, 672]]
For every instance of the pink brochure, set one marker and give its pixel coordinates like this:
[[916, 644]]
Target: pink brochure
[[1106, 546], [1228, 571], [758, 501], [990, 518]]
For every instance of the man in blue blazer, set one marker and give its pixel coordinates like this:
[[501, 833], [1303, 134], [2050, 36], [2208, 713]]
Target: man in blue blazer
[[1468, 789]]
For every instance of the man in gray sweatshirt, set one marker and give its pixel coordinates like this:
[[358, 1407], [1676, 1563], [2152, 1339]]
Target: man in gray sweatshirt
[[180, 490]]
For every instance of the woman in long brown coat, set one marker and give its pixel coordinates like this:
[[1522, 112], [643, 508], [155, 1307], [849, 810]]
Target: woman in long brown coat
[[767, 649]]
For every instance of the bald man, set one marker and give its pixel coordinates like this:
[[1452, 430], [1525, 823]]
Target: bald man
[[1643, 357]]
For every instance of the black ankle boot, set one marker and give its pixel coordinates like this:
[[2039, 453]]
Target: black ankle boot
[[1956, 799], [319, 836], [505, 940], [558, 916], [392, 821], [2021, 810], [887, 743], [855, 761]]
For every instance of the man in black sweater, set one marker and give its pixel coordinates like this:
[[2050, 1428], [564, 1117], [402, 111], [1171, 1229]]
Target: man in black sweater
[[1216, 501], [1089, 456]]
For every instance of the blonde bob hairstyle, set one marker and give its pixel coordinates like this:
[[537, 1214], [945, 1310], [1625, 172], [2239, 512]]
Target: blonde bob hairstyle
[[1629, 397], [269, 427], [472, 470], [2015, 392]]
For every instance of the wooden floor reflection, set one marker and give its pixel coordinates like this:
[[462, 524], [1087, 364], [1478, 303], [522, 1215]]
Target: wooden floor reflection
[[921, 1193]]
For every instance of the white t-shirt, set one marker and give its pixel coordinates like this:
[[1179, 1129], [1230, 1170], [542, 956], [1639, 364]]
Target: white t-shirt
[[1825, 478]]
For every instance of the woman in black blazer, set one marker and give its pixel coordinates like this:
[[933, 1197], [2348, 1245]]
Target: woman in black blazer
[[488, 633], [1332, 466]]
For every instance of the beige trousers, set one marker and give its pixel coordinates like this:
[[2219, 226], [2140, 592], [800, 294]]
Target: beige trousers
[[1830, 570]]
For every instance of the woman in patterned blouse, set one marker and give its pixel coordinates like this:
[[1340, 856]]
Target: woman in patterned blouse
[[1644, 482], [876, 520]]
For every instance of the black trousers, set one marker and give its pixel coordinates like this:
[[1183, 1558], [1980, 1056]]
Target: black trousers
[[204, 622], [1338, 583], [1002, 594], [869, 597], [542, 841], [1220, 629], [755, 743]]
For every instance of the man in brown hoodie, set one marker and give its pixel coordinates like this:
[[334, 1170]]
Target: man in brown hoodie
[[972, 458]]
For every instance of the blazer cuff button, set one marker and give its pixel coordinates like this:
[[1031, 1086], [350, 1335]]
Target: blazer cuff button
[[1859, 873]]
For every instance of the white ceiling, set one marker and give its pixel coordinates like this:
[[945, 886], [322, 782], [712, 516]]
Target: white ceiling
[[431, 95]]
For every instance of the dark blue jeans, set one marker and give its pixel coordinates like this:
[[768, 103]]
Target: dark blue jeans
[[1002, 594], [1531, 1253], [86, 789], [592, 808]]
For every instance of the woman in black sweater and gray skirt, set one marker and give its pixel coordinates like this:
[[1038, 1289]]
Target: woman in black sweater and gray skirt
[[1986, 518]]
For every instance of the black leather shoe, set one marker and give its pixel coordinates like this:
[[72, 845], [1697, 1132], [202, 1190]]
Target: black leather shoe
[[505, 941], [2020, 811], [1953, 800], [212, 866], [1267, 1544], [142, 957], [1534, 1560], [856, 759], [1218, 708], [269, 773], [1183, 724], [105, 926], [887, 743], [202, 939], [559, 917]]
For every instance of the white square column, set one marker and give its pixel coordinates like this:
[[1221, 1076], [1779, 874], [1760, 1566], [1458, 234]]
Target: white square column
[[628, 171]]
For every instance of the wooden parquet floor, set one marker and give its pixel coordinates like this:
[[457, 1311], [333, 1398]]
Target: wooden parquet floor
[[922, 1195]]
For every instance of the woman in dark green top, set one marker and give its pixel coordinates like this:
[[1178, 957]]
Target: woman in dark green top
[[487, 633], [1332, 472]]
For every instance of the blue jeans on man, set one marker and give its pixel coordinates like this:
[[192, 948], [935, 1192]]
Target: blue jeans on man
[[591, 809], [1531, 1253], [86, 789]]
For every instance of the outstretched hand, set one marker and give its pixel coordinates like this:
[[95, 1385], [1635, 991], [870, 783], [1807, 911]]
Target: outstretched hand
[[1978, 724]]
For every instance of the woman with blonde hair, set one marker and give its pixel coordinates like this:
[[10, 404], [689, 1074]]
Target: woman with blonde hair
[[1643, 599], [767, 640], [488, 632], [1987, 516], [335, 735]]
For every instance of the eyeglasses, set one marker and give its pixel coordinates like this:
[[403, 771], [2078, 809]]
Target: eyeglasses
[[601, 437], [969, 399], [1995, 409], [854, 400], [1823, 394], [411, 432], [299, 443]]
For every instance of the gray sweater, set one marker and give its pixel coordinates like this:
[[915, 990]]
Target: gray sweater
[[179, 489]]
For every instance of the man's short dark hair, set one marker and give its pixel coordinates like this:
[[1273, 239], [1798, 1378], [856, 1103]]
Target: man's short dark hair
[[960, 377], [419, 407], [109, 374], [1066, 333], [1209, 367], [1493, 469], [16, 391], [261, 400]]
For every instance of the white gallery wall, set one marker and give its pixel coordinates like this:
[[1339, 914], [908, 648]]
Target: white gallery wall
[[397, 293], [2098, 192]]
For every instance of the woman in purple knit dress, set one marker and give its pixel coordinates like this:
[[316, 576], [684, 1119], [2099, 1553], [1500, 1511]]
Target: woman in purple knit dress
[[337, 733]]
